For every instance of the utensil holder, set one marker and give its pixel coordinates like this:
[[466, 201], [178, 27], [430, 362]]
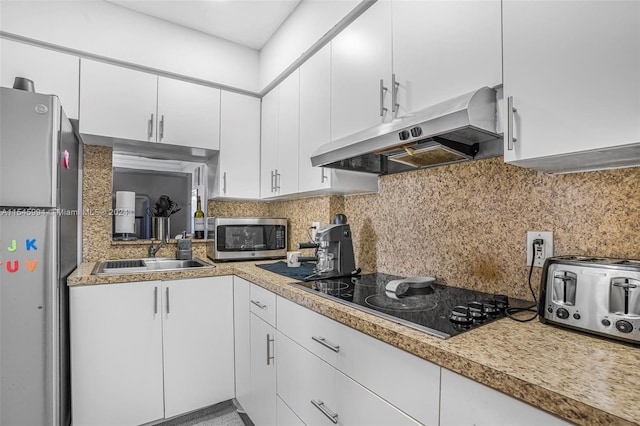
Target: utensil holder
[[160, 229]]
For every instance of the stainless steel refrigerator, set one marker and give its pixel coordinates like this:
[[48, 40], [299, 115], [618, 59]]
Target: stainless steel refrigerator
[[39, 157]]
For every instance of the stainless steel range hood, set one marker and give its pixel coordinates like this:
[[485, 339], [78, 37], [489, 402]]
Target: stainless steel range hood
[[460, 129]]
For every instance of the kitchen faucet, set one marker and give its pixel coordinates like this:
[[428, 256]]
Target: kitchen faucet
[[153, 250]]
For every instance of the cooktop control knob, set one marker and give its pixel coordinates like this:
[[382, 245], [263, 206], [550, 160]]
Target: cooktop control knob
[[606, 322], [502, 301], [461, 315], [562, 313], [476, 310], [490, 307], [404, 135], [624, 326]]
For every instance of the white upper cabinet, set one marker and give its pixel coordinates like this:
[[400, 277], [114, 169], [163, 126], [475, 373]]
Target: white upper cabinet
[[239, 166], [315, 118], [443, 49], [117, 102], [315, 131], [572, 71], [188, 114], [122, 103], [360, 72], [288, 126], [269, 143], [52, 72], [279, 144]]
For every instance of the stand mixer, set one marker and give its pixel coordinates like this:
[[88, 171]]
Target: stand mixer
[[334, 250]]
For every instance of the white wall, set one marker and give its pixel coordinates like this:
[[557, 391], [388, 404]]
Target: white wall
[[306, 25], [105, 29]]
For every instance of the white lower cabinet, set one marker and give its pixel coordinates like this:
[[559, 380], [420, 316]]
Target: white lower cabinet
[[242, 342], [255, 316], [321, 395], [485, 406], [406, 381], [150, 350], [116, 354], [198, 343], [285, 415], [262, 398]]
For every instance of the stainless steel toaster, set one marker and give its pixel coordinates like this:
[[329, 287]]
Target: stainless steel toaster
[[593, 294]]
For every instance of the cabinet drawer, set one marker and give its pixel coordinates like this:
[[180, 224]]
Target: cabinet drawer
[[285, 416], [263, 304], [317, 392], [408, 382]]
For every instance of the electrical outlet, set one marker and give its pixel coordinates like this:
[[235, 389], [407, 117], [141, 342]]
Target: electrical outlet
[[541, 252], [314, 228]]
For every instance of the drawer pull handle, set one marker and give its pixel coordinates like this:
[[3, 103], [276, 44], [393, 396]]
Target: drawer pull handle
[[324, 343], [323, 408], [259, 305]]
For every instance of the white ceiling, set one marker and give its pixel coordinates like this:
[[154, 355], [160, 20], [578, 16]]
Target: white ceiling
[[247, 22]]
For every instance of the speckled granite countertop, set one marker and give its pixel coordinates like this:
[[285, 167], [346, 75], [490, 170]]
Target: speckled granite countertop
[[580, 378]]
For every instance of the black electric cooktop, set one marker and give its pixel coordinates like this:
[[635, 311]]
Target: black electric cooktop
[[439, 310]]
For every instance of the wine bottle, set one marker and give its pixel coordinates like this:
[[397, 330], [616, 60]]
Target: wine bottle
[[198, 222]]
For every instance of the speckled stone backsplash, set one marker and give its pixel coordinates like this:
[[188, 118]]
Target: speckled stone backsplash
[[465, 224]]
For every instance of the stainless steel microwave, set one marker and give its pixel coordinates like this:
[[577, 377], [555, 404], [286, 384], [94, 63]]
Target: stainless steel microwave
[[244, 238]]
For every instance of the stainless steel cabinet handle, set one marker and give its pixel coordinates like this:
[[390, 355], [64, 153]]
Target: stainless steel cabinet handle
[[150, 127], [395, 106], [324, 177], [510, 110], [269, 356], [224, 183], [324, 343], [155, 300], [168, 307], [382, 91], [277, 181], [258, 304], [323, 408], [161, 132], [272, 184]]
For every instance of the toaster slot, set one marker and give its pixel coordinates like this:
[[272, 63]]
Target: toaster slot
[[564, 287], [624, 297]]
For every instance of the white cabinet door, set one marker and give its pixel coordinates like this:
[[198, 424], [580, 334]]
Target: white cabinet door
[[315, 131], [572, 70], [52, 72], [485, 406], [443, 49], [188, 114], [117, 102], [239, 172], [242, 339], [262, 402], [116, 354], [315, 118], [360, 59], [269, 143], [198, 343], [288, 125]]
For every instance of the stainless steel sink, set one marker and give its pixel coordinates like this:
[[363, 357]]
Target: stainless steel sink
[[132, 266]]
